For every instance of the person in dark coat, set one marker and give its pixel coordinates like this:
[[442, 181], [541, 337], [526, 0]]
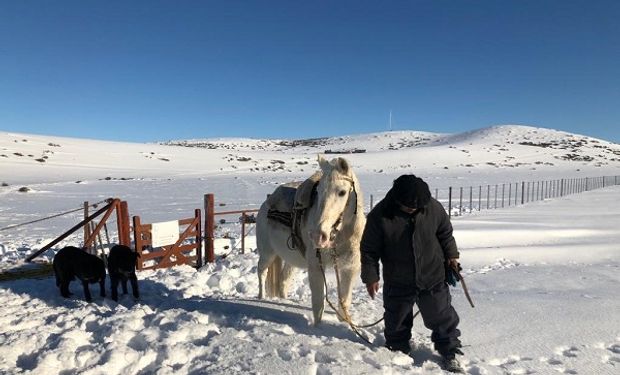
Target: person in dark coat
[[411, 234]]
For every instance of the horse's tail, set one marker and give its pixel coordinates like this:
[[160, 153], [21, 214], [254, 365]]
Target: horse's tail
[[273, 283]]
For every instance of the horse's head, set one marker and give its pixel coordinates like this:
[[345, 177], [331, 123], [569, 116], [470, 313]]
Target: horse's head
[[336, 201]]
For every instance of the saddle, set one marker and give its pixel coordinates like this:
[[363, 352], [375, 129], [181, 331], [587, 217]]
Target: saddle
[[289, 203]]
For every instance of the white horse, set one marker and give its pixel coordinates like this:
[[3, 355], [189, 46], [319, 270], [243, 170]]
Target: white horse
[[332, 227]]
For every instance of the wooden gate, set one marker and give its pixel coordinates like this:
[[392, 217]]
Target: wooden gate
[[169, 255], [122, 220]]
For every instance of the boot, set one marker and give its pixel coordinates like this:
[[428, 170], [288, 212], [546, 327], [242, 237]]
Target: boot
[[451, 364]]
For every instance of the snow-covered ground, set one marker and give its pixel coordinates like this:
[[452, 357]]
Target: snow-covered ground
[[545, 276]]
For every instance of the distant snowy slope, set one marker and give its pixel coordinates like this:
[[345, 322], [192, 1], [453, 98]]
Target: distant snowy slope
[[528, 151]]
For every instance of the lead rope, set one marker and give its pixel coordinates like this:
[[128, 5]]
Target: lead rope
[[347, 316]]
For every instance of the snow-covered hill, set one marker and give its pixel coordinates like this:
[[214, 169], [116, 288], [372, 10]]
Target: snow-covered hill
[[30, 158]]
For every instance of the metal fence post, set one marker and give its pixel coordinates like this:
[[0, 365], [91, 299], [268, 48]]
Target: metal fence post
[[471, 188], [509, 194], [488, 193], [503, 190], [461, 201], [480, 198], [522, 192]]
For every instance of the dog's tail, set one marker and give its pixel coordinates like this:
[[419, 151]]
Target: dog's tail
[[273, 283]]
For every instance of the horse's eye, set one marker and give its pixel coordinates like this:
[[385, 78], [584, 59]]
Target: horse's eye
[[342, 193]]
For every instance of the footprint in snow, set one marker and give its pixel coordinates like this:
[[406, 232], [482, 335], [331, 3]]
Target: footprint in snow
[[372, 362], [287, 330], [320, 357], [567, 351], [285, 355]]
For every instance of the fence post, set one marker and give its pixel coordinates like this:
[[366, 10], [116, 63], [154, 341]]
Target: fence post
[[522, 192], [450, 202], [198, 239], [126, 221], [137, 237], [243, 232], [371, 201], [528, 196], [587, 184], [209, 222], [562, 188], [509, 194], [86, 227], [461, 201], [480, 198], [488, 194], [496, 196], [503, 190], [122, 223], [471, 188]]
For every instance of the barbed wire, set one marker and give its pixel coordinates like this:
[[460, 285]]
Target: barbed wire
[[52, 216]]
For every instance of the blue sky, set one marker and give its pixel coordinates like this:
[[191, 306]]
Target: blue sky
[[159, 70]]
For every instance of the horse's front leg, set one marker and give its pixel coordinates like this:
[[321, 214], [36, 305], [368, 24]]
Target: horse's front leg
[[317, 289], [344, 293]]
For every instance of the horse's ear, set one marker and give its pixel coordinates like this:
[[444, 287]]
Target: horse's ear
[[342, 165], [323, 163]]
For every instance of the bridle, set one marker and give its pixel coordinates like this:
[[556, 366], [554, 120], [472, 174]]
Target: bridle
[[338, 223]]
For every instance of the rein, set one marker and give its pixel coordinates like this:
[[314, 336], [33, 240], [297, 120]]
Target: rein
[[347, 316]]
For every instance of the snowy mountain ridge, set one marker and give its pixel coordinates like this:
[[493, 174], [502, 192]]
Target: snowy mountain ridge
[[526, 149]]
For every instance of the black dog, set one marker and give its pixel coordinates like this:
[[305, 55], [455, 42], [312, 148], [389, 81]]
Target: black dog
[[122, 267], [71, 262]]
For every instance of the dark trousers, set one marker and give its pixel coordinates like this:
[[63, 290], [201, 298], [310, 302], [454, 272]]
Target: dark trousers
[[437, 313]]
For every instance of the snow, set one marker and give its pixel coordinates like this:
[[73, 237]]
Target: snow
[[544, 276]]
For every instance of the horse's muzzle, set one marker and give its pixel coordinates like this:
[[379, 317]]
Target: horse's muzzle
[[321, 239]]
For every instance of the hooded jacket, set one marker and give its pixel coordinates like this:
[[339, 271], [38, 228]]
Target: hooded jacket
[[412, 248]]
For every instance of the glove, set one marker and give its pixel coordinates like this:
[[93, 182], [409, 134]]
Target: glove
[[452, 275]]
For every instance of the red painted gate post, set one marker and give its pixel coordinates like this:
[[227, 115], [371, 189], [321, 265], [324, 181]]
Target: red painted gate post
[[209, 223], [137, 236], [243, 217], [198, 239]]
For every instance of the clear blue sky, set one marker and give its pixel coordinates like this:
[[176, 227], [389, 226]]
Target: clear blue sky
[[158, 70]]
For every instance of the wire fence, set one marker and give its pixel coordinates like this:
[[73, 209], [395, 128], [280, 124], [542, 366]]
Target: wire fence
[[466, 199]]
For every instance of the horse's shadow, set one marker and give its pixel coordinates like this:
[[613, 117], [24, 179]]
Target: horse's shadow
[[247, 314], [237, 313]]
